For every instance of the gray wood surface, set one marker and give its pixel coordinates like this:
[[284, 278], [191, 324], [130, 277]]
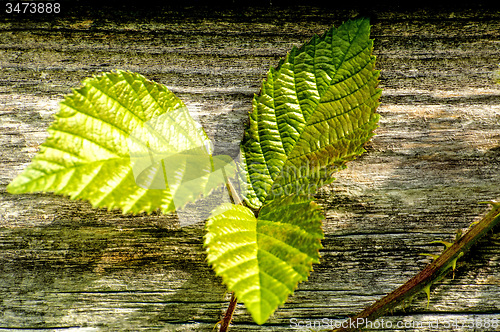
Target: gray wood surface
[[436, 155]]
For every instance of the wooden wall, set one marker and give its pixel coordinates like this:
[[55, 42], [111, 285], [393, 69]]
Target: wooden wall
[[435, 156]]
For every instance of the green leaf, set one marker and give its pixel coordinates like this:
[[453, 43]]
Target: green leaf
[[121, 141], [313, 114], [263, 259]]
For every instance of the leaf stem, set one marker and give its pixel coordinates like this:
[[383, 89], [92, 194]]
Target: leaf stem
[[432, 273], [229, 314]]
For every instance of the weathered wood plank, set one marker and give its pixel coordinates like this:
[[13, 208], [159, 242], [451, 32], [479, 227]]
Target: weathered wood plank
[[435, 155]]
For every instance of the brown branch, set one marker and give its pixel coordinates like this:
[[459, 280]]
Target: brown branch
[[432, 273]]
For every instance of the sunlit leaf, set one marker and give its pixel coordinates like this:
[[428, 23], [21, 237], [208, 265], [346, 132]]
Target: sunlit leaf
[[313, 114], [262, 259], [121, 141]]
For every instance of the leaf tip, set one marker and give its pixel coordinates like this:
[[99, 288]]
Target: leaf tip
[[11, 188]]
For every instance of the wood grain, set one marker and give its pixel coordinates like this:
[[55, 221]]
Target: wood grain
[[435, 156]]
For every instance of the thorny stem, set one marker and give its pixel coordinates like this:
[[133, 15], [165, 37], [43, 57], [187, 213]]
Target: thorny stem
[[432, 273]]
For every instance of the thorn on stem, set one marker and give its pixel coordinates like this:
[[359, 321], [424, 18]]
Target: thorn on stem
[[427, 291]]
